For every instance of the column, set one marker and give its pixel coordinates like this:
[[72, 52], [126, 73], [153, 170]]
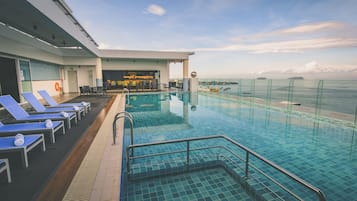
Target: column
[[185, 101], [185, 75], [98, 70]]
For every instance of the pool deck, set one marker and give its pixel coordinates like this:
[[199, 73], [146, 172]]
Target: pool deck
[[98, 177]]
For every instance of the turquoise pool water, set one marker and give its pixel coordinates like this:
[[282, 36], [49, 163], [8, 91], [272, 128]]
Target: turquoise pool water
[[323, 154]]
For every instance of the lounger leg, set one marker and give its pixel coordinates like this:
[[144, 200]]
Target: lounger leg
[[52, 134], [8, 170], [78, 115], [43, 144], [24, 158], [63, 129], [68, 123]]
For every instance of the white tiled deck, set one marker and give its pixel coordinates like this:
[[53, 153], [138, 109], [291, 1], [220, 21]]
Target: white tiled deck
[[98, 177]]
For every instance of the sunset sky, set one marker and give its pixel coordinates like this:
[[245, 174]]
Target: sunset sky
[[233, 38]]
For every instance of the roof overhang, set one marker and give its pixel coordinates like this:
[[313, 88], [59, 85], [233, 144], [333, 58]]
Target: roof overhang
[[48, 21], [145, 54], [49, 25]]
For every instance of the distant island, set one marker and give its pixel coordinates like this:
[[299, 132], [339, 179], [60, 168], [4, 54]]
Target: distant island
[[261, 78], [296, 78], [217, 83]]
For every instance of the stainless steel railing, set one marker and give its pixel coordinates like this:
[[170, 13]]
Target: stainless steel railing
[[120, 115], [126, 91], [248, 154]]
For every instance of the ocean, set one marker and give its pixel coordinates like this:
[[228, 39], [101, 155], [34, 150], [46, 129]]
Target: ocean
[[336, 98]]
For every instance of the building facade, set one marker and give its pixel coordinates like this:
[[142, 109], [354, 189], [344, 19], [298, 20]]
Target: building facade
[[43, 46]]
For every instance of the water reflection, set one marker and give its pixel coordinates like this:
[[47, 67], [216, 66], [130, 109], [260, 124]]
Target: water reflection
[[160, 110]]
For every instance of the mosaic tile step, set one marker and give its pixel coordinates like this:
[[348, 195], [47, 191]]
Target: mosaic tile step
[[204, 185]]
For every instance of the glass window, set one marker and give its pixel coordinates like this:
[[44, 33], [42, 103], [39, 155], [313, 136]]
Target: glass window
[[44, 71], [25, 76]]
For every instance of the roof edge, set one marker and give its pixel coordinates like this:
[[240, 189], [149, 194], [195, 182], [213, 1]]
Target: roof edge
[[144, 54]]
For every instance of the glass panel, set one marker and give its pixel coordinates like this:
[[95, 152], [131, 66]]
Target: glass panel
[[44, 71], [320, 98], [25, 76]]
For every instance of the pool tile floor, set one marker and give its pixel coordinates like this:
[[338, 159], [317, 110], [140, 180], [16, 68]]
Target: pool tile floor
[[204, 185]]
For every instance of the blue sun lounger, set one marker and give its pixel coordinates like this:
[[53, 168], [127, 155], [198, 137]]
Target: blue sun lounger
[[31, 141], [36, 104], [31, 128], [4, 166], [53, 103], [21, 115]]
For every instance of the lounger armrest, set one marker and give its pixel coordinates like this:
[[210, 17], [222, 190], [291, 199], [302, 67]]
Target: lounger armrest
[[10, 121], [42, 112]]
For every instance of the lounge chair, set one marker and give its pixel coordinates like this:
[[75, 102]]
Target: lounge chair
[[53, 103], [4, 166], [36, 104], [30, 142], [31, 128], [21, 115]]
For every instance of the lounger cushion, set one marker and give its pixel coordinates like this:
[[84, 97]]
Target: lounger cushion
[[26, 126], [7, 143], [20, 114], [52, 102], [36, 104]]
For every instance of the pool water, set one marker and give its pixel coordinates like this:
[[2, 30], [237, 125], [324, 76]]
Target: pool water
[[322, 153]]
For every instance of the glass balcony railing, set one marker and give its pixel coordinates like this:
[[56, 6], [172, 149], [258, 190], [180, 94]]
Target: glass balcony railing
[[322, 98]]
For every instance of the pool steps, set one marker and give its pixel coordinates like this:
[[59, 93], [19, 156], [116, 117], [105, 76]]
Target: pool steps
[[261, 178]]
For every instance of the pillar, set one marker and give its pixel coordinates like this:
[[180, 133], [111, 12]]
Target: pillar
[[193, 84], [185, 101], [185, 75], [99, 75]]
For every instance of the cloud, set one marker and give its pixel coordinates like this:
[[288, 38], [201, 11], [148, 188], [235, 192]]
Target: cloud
[[294, 39], [292, 46], [314, 67], [156, 10], [308, 28], [102, 45]]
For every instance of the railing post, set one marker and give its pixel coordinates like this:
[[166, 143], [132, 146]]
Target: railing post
[[114, 130], [356, 116], [188, 154], [246, 164], [127, 160]]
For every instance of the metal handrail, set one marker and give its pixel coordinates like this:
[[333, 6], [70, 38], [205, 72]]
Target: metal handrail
[[248, 151], [124, 112], [126, 90], [127, 115]]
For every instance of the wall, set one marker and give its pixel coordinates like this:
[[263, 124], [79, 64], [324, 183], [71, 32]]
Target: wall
[[134, 64], [82, 76], [83, 61], [48, 85]]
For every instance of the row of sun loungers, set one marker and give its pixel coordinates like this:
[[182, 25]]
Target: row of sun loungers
[[46, 121]]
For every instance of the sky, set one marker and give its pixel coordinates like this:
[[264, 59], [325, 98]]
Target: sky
[[316, 39]]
